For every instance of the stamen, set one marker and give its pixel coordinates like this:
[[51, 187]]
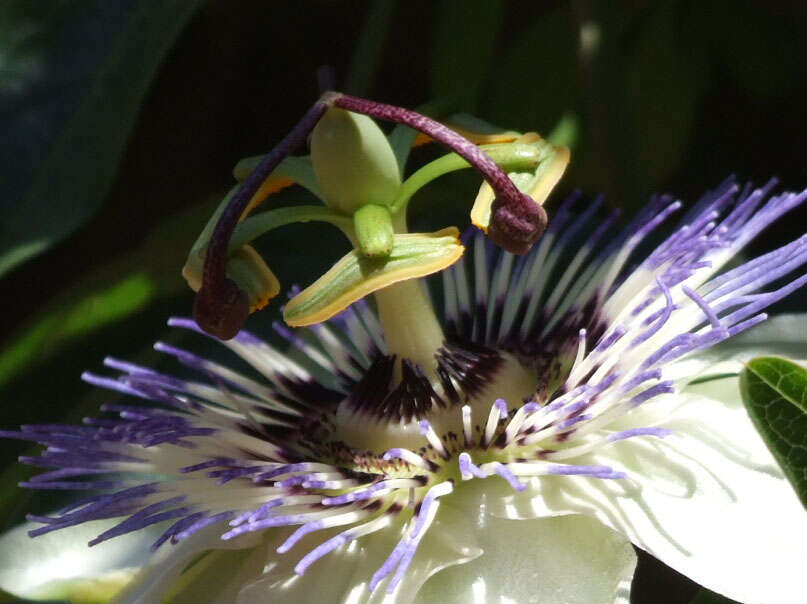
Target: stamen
[[284, 469], [376, 490], [707, 310], [503, 471], [198, 434], [581, 348], [538, 468], [274, 521], [200, 524], [518, 420], [318, 525], [611, 438], [664, 315], [481, 288], [516, 222]]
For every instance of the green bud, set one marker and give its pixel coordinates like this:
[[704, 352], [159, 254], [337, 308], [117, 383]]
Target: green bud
[[353, 161], [374, 231]]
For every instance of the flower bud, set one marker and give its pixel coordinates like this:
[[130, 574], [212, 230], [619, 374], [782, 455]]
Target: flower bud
[[353, 161]]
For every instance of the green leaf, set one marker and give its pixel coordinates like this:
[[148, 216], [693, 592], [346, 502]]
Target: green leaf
[[774, 391], [368, 47], [665, 81], [76, 175], [115, 291], [536, 83], [759, 48], [704, 596], [464, 42]]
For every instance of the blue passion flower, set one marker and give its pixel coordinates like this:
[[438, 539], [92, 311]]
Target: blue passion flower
[[566, 403]]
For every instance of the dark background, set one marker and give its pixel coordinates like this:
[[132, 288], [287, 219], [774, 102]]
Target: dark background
[[121, 120]]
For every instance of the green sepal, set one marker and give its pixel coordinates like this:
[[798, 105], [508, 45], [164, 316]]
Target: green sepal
[[374, 231], [774, 391], [353, 161], [355, 275]]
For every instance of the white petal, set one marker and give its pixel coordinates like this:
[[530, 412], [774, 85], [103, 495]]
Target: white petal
[[61, 565], [343, 575], [218, 576], [782, 335], [710, 501], [159, 577], [566, 560]]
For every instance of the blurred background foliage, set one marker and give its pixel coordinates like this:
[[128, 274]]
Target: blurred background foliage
[[121, 120]]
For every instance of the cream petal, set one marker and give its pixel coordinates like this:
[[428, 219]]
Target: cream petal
[[782, 335], [710, 501], [219, 576], [61, 565], [344, 574], [565, 560], [157, 579]]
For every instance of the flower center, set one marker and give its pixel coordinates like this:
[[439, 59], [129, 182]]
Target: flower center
[[364, 431]]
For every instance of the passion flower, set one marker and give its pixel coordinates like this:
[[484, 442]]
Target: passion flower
[[565, 403]]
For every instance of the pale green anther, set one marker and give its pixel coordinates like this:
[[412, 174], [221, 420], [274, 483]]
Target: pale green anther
[[354, 163], [537, 182], [244, 265], [374, 231], [356, 276]]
